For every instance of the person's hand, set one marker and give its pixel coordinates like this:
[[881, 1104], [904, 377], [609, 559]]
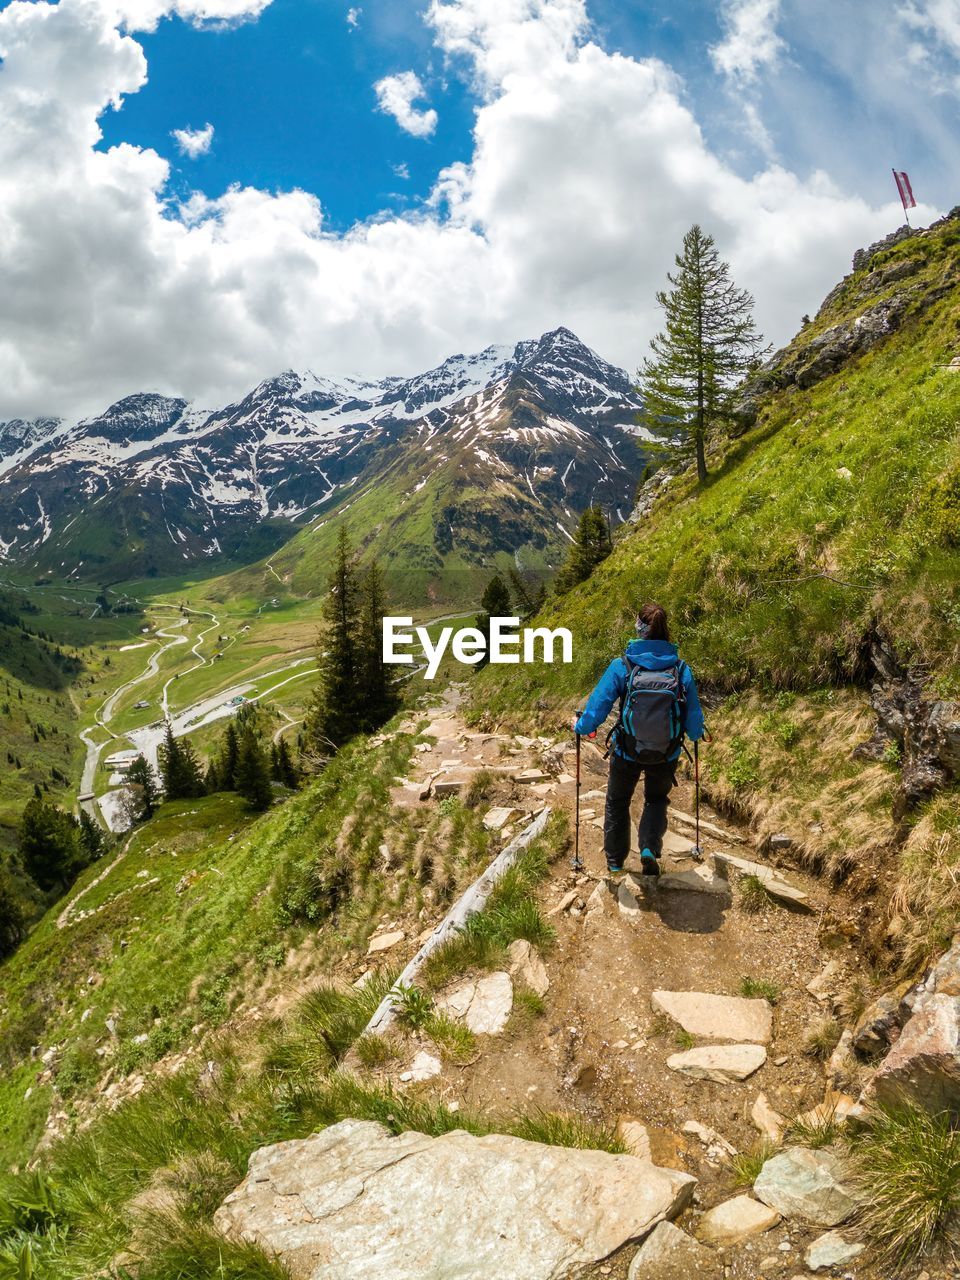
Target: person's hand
[[573, 722]]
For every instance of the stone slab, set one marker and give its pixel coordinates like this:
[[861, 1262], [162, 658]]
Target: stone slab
[[813, 1185], [721, 1063], [355, 1202], [774, 884], [718, 1018]]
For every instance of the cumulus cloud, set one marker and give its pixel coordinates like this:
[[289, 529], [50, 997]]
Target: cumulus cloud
[[194, 142], [751, 42], [587, 169], [396, 96]]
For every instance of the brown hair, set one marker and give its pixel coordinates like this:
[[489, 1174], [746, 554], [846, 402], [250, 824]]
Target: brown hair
[[655, 616]]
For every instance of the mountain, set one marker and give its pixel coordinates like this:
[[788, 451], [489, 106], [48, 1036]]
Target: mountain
[[480, 456]]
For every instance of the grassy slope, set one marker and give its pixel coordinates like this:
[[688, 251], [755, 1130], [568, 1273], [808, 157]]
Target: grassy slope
[[739, 564], [776, 571]]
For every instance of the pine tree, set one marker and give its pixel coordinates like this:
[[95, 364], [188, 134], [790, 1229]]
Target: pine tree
[[286, 769], [592, 544], [529, 594], [494, 603], [334, 715], [50, 846], [179, 769], [226, 767], [92, 838], [709, 344], [377, 692], [13, 916], [253, 772], [141, 774]]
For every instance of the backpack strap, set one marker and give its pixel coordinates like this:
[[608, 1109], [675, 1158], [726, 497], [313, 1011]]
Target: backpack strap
[[618, 723]]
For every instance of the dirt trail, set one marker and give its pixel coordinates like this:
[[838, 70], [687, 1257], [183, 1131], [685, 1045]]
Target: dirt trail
[[600, 1050]]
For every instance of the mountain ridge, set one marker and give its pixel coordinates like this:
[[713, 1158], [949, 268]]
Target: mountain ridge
[[154, 483]]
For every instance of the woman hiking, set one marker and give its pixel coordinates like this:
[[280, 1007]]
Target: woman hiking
[[659, 705]]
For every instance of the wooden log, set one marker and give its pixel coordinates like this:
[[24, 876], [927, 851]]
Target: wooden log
[[472, 901]]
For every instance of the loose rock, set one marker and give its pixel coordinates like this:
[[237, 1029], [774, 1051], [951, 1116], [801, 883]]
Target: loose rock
[[669, 1254], [633, 1134], [831, 1250], [770, 1122], [696, 880], [384, 942], [723, 1063], [491, 1005], [527, 967], [736, 1220]]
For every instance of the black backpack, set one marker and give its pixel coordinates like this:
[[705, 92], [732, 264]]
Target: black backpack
[[653, 714]]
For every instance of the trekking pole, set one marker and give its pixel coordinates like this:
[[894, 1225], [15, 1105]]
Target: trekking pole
[[696, 851], [577, 861]]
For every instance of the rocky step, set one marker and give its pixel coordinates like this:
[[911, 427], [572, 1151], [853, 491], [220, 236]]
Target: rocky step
[[718, 1018], [355, 1201]]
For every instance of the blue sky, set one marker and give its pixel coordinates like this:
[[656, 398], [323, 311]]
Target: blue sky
[[292, 101], [373, 195]]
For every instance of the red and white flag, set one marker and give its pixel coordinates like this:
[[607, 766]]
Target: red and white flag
[[906, 191]]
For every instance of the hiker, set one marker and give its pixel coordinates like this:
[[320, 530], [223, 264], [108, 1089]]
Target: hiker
[[658, 706]]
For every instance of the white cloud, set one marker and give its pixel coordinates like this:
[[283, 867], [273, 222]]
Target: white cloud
[[194, 142], [396, 96], [402, 170], [587, 169], [751, 42], [353, 17], [940, 17]]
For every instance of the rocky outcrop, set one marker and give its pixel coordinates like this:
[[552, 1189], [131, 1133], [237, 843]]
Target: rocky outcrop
[[923, 1066], [926, 730], [356, 1201]]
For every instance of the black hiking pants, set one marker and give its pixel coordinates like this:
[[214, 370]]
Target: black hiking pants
[[658, 780]]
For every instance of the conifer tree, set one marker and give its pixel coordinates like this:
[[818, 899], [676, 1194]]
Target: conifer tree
[[529, 596], [286, 770], [377, 693], [592, 544], [226, 765], [13, 915], [50, 847], [494, 603], [334, 715], [253, 772], [92, 838], [140, 774], [709, 344], [179, 769]]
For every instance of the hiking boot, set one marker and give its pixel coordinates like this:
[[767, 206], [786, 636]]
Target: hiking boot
[[649, 866], [614, 868]]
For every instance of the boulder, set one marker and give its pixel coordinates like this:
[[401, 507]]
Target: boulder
[[722, 1063], [526, 967], [458, 1002], [355, 1202], [770, 1122], [831, 1250], [713, 1017], [736, 1220], [812, 1185], [923, 1067], [669, 1254]]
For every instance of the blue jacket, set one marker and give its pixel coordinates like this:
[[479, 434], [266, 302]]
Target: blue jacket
[[654, 655]]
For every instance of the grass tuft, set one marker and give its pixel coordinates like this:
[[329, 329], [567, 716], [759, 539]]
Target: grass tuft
[[745, 1166], [753, 894], [908, 1168], [760, 989], [821, 1038]]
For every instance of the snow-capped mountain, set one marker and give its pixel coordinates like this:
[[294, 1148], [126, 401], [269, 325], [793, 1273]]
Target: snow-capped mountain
[[155, 483]]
